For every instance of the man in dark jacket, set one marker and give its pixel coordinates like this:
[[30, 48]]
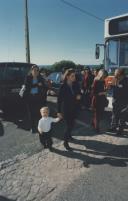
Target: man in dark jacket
[[120, 101]]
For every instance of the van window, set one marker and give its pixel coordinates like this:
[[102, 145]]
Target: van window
[[14, 73]]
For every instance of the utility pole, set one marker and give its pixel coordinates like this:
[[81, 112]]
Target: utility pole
[[27, 45]]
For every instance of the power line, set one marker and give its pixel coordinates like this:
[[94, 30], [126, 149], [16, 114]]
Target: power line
[[82, 10]]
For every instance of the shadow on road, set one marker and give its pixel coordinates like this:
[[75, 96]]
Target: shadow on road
[[99, 153], [123, 135], [1, 129], [5, 199]]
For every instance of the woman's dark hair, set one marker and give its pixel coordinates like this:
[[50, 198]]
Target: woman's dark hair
[[121, 71], [33, 67], [67, 73], [101, 73]]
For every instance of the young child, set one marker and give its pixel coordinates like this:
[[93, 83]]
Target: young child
[[44, 127]]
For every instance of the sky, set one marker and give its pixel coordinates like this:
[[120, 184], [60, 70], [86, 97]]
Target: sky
[[57, 31]]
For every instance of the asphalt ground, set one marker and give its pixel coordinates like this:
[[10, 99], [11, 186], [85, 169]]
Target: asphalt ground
[[96, 169], [17, 140]]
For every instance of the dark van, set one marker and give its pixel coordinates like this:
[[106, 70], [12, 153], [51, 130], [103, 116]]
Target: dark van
[[12, 75]]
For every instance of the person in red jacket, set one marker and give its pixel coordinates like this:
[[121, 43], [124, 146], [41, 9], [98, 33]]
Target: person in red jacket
[[99, 100]]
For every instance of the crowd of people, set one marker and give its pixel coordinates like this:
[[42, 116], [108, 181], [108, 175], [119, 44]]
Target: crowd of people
[[90, 93]]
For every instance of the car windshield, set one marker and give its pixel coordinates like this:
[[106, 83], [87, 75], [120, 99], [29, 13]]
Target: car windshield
[[55, 77]]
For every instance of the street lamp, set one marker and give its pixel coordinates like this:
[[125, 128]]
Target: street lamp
[[27, 45]]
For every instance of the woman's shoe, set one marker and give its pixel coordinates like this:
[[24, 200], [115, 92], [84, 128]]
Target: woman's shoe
[[92, 124], [119, 132], [71, 138], [97, 130], [112, 130], [50, 149], [45, 146], [66, 145]]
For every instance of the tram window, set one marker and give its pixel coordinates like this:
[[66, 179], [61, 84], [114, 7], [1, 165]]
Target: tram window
[[118, 26], [113, 52], [124, 52]]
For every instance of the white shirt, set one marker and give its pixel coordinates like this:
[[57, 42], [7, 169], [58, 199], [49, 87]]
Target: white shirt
[[45, 123]]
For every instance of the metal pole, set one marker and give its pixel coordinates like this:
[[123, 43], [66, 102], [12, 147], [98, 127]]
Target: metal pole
[[27, 45]]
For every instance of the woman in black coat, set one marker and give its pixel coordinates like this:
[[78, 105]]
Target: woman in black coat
[[69, 96], [35, 96]]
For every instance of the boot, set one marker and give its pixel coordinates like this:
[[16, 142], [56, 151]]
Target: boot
[[71, 138], [119, 132], [112, 130], [66, 145]]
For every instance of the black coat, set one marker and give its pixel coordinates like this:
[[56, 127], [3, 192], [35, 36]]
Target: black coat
[[42, 90], [120, 92], [67, 98]]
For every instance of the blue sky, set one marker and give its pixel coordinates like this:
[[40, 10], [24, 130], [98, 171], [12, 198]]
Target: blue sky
[[57, 31]]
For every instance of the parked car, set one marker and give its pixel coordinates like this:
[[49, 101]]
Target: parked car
[[55, 80], [12, 75]]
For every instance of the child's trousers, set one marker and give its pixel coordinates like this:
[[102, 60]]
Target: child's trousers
[[46, 139]]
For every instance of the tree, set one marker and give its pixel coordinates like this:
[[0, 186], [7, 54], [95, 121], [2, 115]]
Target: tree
[[63, 65]]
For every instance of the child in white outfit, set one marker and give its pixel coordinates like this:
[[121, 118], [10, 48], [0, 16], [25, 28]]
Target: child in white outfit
[[44, 127]]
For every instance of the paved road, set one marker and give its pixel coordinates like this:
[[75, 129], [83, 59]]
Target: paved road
[[104, 183], [17, 140], [95, 170], [107, 181]]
